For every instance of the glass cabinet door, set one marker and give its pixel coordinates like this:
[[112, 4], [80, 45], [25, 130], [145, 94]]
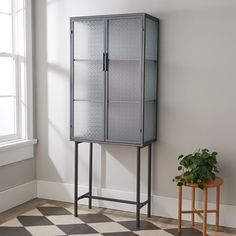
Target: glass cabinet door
[[89, 79], [150, 103], [124, 80]]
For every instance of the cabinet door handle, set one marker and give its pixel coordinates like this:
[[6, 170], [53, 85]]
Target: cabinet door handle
[[107, 61], [103, 62]]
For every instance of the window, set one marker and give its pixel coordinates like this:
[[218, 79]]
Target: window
[[15, 70]]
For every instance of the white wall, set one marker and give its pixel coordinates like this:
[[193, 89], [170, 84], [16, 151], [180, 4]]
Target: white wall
[[16, 174], [17, 181], [196, 93]]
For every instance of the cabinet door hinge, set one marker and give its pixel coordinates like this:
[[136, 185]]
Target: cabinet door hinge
[[71, 32]]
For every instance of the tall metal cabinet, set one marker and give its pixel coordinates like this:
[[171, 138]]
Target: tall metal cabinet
[[114, 68]]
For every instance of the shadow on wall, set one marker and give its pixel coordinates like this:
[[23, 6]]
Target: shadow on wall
[[52, 120], [118, 168]]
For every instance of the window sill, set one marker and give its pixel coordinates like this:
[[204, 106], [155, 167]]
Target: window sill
[[14, 151]]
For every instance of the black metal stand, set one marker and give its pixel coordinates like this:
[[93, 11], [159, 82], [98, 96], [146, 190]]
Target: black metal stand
[[89, 195], [76, 181], [90, 173]]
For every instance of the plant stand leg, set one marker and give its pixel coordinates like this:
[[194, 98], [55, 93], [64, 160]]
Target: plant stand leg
[[193, 205], [76, 181], [217, 208], [180, 210], [205, 212]]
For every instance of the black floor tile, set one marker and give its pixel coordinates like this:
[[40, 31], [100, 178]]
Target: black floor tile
[[33, 220], [47, 211], [144, 225], [77, 229], [14, 231], [185, 232], [94, 218]]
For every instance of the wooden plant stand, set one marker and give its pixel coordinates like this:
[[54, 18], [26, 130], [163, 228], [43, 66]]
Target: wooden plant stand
[[201, 213]]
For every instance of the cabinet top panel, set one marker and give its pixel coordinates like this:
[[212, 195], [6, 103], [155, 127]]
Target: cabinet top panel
[[76, 18]]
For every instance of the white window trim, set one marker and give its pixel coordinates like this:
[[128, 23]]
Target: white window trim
[[18, 151], [12, 145], [21, 149], [29, 72]]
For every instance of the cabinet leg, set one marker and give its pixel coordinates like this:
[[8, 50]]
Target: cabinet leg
[[149, 179], [180, 210], [76, 181], [193, 205], [205, 212], [90, 173], [217, 208], [138, 189]]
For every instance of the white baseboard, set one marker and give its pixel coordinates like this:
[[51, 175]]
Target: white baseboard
[[15, 196], [161, 206]]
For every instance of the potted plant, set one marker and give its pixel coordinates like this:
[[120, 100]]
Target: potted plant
[[196, 168]]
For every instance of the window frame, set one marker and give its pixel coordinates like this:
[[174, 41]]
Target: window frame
[[12, 55], [24, 122]]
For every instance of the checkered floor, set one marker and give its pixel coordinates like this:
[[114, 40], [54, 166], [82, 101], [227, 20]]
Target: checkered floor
[[51, 220]]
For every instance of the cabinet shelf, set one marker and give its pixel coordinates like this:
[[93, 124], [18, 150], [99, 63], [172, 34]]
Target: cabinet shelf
[[88, 60], [88, 100], [124, 60], [125, 102], [110, 101], [110, 59]]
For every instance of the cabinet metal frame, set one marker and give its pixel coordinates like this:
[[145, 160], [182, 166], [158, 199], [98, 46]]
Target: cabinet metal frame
[[106, 18], [90, 196], [138, 145]]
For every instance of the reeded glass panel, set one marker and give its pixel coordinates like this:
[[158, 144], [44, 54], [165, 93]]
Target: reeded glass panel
[[124, 122], [89, 80], [88, 40], [89, 120], [150, 80], [124, 79], [149, 120], [125, 39], [8, 116], [151, 40]]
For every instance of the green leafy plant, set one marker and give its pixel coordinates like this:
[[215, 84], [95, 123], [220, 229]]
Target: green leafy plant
[[197, 167]]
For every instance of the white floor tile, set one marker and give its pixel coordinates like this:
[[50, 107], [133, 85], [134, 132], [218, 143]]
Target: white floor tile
[[64, 220], [34, 212], [12, 223], [108, 227], [51, 230], [152, 233]]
